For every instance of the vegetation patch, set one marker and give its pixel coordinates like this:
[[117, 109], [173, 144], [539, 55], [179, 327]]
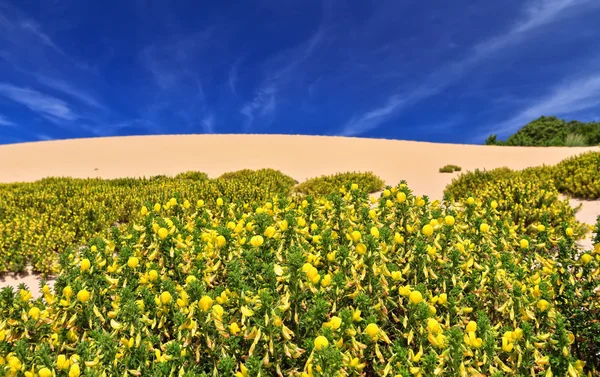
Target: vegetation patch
[[39, 220], [450, 168], [579, 176], [552, 131], [303, 286], [327, 184]]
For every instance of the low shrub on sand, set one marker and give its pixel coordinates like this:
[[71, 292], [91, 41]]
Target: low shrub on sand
[[579, 176], [450, 168], [40, 219], [327, 184]]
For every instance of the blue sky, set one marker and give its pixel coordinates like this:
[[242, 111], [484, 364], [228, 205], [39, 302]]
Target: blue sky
[[441, 71]]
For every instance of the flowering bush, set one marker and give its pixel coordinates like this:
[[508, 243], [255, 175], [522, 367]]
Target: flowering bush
[[40, 219], [303, 286], [579, 176], [328, 184], [527, 197]]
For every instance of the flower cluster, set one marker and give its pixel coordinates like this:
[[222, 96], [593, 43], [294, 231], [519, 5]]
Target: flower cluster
[[343, 285]]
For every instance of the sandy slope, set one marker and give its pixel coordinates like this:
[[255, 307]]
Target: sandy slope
[[301, 157]]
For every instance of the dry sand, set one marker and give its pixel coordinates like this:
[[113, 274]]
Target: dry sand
[[301, 157]]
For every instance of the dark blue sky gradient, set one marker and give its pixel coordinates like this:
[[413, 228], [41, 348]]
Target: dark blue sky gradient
[[433, 71]]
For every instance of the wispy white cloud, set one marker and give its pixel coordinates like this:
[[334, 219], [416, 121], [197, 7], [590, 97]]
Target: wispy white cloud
[[263, 103], [232, 77], [279, 71], [5, 122], [208, 124], [570, 97], [45, 105], [69, 89], [537, 13]]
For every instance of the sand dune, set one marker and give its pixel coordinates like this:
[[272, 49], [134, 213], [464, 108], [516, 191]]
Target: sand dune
[[301, 157]]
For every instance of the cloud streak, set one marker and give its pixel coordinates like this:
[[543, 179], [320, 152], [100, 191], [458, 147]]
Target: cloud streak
[[5, 122], [70, 90], [50, 107], [278, 73], [536, 14], [570, 97]]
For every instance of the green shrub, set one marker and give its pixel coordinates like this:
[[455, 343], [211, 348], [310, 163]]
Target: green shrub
[[328, 184], [193, 175], [313, 287], [527, 197], [450, 169], [575, 140], [579, 176], [552, 131], [40, 219]]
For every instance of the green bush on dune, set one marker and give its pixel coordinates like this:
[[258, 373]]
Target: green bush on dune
[[450, 168], [40, 219], [552, 131], [327, 184], [579, 176]]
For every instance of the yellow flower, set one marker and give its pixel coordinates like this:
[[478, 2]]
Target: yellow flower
[[443, 298], [234, 328], [157, 207], [398, 238], [144, 211], [45, 372], [484, 228], [396, 275], [401, 197], [472, 326], [494, 204], [470, 201], [163, 233], [433, 326], [586, 258], [165, 298], [517, 334], [334, 323], [221, 241], [569, 232], [62, 362], [256, 241], [427, 230], [83, 295], [219, 201], [415, 297], [217, 310], [524, 244], [543, 305], [375, 232], [34, 313], [541, 228], [372, 331], [404, 290], [326, 281], [321, 342], [361, 248], [269, 232], [85, 265], [133, 262], [205, 303], [449, 220], [354, 186], [152, 275], [355, 236], [356, 315], [74, 371]]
